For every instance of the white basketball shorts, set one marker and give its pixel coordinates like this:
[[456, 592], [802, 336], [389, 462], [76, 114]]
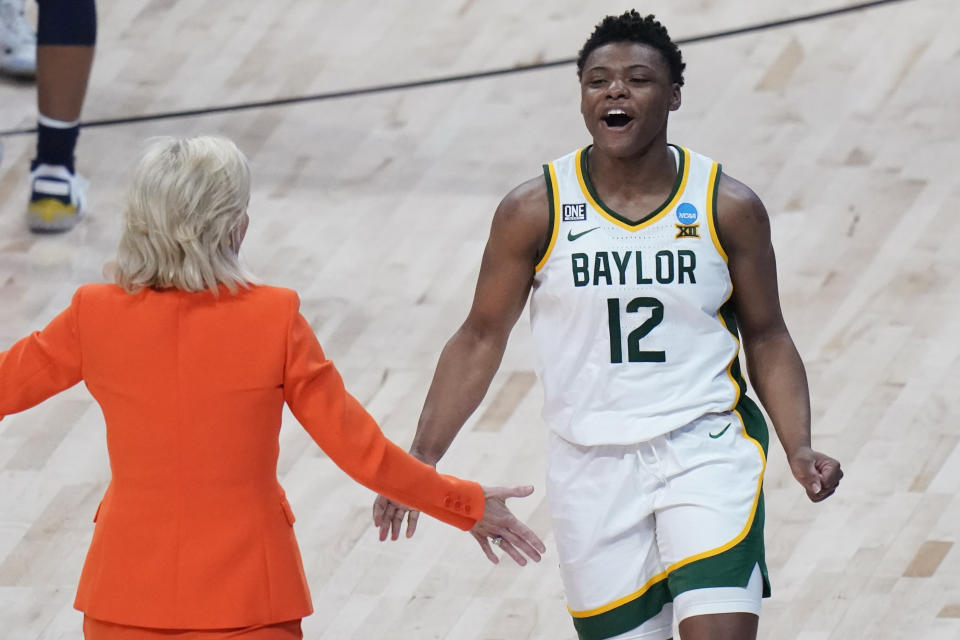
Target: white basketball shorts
[[674, 520]]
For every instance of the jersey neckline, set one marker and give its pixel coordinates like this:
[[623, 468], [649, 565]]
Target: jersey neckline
[[583, 176]]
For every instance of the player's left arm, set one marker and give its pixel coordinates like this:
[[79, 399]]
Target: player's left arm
[[776, 370]]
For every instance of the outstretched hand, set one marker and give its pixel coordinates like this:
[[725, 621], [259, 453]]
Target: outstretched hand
[[388, 515], [818, 473], [499, 526]]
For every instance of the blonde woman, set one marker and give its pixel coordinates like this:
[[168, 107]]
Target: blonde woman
[[191, 362]]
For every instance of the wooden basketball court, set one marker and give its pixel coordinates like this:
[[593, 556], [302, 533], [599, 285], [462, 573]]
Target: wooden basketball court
[[376, 208]]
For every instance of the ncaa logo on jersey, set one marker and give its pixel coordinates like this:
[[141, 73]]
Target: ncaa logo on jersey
[[574, 212], [687, 226]]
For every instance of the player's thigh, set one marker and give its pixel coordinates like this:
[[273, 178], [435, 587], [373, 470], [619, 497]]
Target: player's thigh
[[720, 626], [710, 516], [601, 503], [743, 603]]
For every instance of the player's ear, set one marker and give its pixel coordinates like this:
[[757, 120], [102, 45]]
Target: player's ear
[[675, 98]]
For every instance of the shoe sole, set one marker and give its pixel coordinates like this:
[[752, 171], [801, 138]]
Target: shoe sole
[[18, 69], [50, 214]]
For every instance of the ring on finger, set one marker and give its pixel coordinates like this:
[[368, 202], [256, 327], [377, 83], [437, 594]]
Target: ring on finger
[[497, 540]]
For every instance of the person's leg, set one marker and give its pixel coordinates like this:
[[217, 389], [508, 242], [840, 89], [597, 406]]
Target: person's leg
[[601, 501], [721, 613], [720, 626], [660, 627], [62, 75], [18, 42], [66, 37], [710, 525]]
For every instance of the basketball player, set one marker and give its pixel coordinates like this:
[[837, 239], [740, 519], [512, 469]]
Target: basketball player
[[646, 263], [61, 55]]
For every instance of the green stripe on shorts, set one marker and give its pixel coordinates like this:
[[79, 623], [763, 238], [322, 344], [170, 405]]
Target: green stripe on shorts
[[733, 567], [629, 615]]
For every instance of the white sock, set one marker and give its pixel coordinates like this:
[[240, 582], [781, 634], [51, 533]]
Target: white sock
[[53, 123]]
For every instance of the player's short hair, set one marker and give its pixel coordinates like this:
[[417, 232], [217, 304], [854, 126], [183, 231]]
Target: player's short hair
[[630, 26], [183, 216]]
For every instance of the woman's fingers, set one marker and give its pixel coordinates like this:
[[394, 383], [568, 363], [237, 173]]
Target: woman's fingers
[[396, 523], [508, 548], [386, 518], [484, 543], [518, 543], [412, 518]]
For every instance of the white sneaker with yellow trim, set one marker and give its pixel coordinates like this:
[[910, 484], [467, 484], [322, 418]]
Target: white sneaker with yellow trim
[[57, 199]]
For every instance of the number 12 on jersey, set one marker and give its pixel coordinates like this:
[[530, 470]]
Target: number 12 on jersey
[[634, 353]]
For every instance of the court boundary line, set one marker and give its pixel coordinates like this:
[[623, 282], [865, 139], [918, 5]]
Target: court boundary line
[[450, 79]]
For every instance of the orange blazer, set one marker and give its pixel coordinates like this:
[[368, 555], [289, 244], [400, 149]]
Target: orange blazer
[[194, 530]]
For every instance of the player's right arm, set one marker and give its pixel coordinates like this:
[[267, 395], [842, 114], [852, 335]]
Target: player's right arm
[[468, 362], [473, 354]]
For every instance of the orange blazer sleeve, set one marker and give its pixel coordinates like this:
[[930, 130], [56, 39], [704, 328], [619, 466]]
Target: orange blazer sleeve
[[42, 364], [351, 438]]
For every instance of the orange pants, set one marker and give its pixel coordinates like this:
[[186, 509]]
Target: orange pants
[[99, 630]]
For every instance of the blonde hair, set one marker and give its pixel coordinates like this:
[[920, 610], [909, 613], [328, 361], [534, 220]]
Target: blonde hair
[[184, 215]]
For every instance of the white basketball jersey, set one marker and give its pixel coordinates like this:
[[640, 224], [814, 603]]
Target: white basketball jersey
[[631, 320]]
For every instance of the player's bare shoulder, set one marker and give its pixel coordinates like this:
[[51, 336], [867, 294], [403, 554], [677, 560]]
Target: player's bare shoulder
[[742, 219], [522, 219]]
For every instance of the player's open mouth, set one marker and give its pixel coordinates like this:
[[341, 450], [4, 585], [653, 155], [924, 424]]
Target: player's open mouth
[[616, 118]]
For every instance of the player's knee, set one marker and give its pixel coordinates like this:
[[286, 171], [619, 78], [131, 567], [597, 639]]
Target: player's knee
[[67, 22]]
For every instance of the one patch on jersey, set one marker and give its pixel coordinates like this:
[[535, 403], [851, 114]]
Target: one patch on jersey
[[687, 213], [574, 212], [687, 231]]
